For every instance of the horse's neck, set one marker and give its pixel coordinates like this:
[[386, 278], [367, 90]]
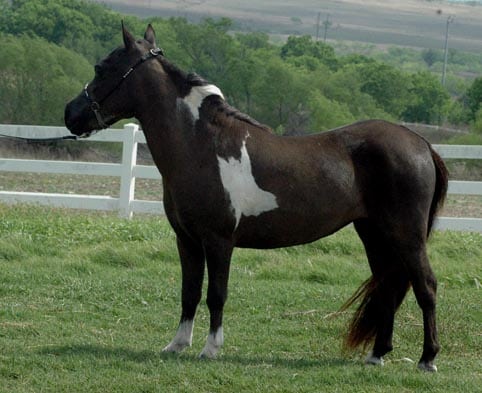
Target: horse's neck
[[166, 143], [170, 130]]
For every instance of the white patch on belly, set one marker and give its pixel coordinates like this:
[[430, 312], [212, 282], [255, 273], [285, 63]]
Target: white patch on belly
[[247, 198], [197, 95]]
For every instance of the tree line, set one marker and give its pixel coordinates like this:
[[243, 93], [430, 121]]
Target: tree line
[[48, 47]]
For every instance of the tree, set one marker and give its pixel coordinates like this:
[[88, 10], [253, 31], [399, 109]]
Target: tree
[[296, 47], [386, 84], [474, 97], [327, 114], [255, 40], [428, 99], [36, 79], [280, 97], [431, 56], [4, 13], [49, 19], [244, 77], [477, 125], [345, 87], [84, 26], [207, 46]]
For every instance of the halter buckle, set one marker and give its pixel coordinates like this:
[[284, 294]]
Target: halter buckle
[[156, 52]]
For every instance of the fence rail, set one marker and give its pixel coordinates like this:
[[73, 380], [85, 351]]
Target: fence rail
[[128, 171]]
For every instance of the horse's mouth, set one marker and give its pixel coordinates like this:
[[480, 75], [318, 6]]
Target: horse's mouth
[[87, 134]]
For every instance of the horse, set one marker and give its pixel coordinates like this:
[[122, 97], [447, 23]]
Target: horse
[[229, 181]]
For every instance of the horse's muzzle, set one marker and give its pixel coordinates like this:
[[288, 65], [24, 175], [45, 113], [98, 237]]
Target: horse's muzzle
[[77, 118]]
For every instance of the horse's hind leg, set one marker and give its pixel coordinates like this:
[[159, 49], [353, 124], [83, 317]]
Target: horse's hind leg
[[395, 263], [424, 286], [388, 286], [192, 265]]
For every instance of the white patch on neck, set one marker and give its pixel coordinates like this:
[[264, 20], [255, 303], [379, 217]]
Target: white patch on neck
[[247, 198], [197, 95]]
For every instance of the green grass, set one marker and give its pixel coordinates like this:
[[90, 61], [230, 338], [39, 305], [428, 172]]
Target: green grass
[[87, 302], [466, 139]]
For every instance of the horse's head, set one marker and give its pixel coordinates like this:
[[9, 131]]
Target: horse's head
[[110, 96]]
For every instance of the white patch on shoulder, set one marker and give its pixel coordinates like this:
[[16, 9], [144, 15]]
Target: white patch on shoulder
[[182, 339], [247, 198], [197, 95]]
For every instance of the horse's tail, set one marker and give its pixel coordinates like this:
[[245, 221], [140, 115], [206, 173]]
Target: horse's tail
[[388, 289], [374, 293], [441, 185]]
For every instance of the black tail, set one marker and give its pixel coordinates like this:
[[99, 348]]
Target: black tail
[[363, 327], [441, 185], [374, 294]]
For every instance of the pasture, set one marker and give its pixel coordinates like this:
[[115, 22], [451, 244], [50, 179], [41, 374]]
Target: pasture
[[87, 302], [410, 23]]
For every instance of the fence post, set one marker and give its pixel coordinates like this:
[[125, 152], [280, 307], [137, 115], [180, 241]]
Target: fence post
[[128, 181]]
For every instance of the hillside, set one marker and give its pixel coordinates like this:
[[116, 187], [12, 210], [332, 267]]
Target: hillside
[[414, 23]]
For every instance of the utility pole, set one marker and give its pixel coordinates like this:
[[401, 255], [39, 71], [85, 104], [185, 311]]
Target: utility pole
[[450, 19], [318, 20], [327, 24]]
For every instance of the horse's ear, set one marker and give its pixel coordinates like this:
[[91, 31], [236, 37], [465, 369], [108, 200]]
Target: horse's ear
[[129, 39], [150, 35]]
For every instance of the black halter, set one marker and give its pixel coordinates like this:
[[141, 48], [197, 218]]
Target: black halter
[[95, 105]]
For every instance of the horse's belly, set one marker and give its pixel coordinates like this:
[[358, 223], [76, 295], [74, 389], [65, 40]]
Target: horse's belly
[[284, 230]]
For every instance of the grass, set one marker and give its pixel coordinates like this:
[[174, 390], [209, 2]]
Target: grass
[[87, 301], [466, 139]]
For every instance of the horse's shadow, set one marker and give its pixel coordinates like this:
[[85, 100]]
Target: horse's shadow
[[143, 356]]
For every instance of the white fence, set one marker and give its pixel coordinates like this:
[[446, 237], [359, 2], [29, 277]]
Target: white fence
[[128, 171]]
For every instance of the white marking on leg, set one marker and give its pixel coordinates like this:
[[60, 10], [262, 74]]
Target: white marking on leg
[[214, 343], [182, 339], [197, 95], [246, 197], [426, 366], [373, 360]]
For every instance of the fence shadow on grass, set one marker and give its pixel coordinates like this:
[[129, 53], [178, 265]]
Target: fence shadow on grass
[[141, 356]]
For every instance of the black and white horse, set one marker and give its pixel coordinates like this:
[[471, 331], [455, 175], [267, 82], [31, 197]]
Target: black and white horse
[[230, 182]]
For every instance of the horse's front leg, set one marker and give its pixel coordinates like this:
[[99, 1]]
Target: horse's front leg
[[218, 257], [192, 266]]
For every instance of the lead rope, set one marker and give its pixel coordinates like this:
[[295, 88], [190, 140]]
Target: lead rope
[[39, 140]]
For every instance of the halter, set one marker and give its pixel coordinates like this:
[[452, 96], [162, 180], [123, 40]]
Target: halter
[[95, 105]]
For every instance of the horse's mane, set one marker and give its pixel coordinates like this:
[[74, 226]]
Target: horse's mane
[[230, 112], [185, 81]]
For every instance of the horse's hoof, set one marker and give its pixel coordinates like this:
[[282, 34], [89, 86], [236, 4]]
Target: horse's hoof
[[175, 347], [373, 360], [214, 343], [427, 366], [209, 353]]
